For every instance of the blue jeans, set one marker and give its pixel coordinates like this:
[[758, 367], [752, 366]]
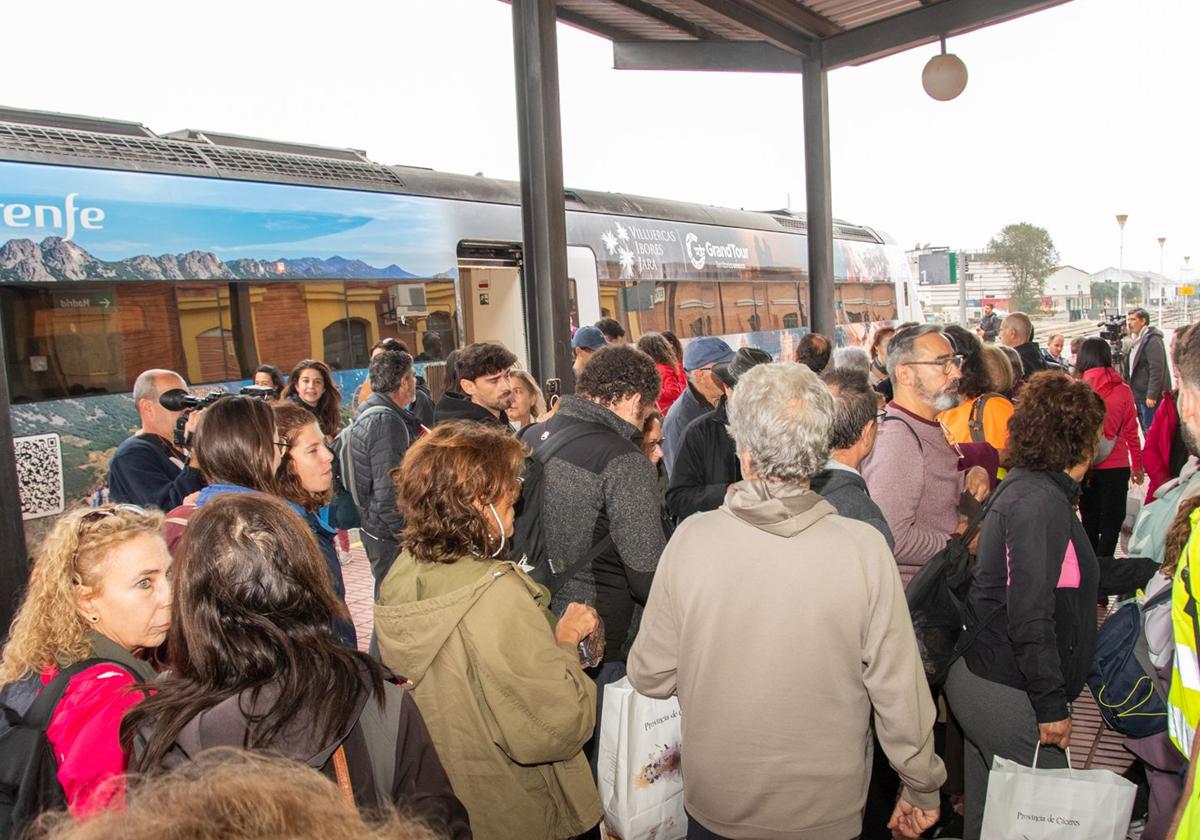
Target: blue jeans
[[1145, 414]]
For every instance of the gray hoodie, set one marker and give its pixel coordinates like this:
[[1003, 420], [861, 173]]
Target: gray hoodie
[[782, 628]]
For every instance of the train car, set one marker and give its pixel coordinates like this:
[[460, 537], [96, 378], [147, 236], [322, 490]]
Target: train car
[[123, 250]]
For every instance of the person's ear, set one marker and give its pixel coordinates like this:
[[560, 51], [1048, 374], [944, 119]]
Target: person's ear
[[85, 604], [467, 386]]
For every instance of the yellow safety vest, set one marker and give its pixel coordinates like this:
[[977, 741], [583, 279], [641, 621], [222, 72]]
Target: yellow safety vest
[[1183, 702]]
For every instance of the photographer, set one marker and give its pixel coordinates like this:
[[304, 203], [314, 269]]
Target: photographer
[[148, 469]]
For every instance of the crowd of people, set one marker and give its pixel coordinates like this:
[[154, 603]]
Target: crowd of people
[[711, 524]]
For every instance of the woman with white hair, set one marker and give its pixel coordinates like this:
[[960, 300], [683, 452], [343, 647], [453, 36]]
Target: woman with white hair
[[799, 608]]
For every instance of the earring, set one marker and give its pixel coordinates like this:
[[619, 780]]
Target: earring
[[94, 617]]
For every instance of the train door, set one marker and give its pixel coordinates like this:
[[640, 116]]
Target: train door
[[491, 286]]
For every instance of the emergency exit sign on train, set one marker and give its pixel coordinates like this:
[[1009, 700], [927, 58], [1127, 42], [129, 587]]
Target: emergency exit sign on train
[[83, 300]]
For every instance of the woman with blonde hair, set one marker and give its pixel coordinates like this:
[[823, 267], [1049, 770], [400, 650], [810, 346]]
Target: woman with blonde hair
[[527, 405], [97, 606]]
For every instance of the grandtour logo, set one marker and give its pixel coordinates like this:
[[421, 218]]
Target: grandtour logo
[[723, 256], [52, 217]]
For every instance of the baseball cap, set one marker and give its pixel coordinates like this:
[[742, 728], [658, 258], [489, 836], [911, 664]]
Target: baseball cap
[[705, 351], [744, 359], [588, 338]]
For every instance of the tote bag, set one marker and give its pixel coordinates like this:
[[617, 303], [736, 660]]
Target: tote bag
[[1024, 803], [640, 777]]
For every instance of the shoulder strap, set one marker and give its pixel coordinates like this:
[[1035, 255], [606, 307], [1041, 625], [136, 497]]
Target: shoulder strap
[[342, 773], [557, 582], [977, 522], [375, 409], [569, 434], [907, 425], [975, 419], [42, 710]]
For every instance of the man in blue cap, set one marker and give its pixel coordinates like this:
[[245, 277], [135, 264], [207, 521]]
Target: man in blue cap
[[586, 341], [703, 392]]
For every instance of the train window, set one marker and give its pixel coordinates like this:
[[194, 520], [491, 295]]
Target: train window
[[87, 338]]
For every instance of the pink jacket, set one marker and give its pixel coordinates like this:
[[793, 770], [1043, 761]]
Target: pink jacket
[[673, 383], [84, 733], [1157, 455], [1120, 419]]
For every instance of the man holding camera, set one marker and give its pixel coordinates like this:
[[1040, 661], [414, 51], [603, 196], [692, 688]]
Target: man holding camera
[[148, 469]]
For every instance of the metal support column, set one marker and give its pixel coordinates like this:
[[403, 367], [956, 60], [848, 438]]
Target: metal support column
[[543, 210], [14, 562], [820, 204]]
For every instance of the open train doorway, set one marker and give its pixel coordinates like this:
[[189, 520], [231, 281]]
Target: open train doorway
[[491, 285]]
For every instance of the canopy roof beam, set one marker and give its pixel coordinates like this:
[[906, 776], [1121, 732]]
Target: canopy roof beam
[[730, 56]]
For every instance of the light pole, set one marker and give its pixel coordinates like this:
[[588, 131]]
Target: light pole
[[1121, 217], [1162, 244]]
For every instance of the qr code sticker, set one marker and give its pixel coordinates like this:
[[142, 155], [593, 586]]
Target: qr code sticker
[[39, 475]]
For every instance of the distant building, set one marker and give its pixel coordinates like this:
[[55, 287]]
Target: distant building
[[986, 280], [1159, 285]]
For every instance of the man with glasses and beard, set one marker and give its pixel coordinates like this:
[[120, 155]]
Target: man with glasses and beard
[[913, 472]]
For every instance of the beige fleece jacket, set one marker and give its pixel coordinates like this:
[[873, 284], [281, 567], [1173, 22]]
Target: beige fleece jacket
[[783, 629]]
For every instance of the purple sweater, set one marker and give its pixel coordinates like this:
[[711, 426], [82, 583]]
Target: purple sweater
[[912, 474]]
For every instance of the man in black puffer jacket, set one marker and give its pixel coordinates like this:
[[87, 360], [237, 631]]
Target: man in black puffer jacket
[[378, 440], [706, 463]]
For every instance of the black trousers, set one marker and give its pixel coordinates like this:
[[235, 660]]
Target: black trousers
[[1102, 507], [381, 554]]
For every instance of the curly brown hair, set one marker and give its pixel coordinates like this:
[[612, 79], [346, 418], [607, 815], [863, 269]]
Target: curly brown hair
[[441, 478], [1055, 425]]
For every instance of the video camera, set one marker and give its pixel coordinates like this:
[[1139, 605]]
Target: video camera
[[1113, 328], [178, 399]]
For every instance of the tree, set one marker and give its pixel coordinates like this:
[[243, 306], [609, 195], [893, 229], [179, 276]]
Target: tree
[[1027, 251]]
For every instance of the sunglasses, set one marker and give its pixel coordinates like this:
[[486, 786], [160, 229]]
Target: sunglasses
[[98, 514]]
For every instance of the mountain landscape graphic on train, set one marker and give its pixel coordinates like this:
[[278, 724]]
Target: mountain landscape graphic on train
[[59, 260]]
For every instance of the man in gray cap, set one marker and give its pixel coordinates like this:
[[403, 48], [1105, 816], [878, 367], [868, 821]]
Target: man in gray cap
[[702, 394], [706, 462], [585, 342]]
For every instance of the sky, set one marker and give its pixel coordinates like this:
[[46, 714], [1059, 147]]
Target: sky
[[1070, 116]]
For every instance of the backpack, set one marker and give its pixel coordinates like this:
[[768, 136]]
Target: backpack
[[28, 770], [975, 418], [1123, 680], [1149, 537], [344, 510], [937, 599], [529, 538]]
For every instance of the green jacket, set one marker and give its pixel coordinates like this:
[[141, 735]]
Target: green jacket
[[508, 707]]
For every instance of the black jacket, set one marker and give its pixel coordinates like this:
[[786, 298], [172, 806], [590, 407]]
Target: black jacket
[[422, 407], [601, 485], [389, 755], [989, 325], [146, 471], [456, 406], [1149, 377], [706, 464], [1031, 359], [1035, 598], [378, 442], [846, 490]]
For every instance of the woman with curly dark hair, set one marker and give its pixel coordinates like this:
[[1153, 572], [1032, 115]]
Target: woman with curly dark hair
[[498, 680], [311, 385], [1031, 609]]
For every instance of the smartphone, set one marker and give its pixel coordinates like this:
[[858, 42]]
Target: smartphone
[[553, 392]]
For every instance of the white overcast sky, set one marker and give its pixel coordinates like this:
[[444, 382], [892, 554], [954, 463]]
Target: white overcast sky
[[1071, 115]]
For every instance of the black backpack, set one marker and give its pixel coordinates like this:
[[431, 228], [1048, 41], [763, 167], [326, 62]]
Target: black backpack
[[529, 548], [28, 770], [937, 599], [1123, 679]]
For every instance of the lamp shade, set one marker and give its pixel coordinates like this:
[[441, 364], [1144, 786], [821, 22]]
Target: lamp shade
[[944, 77]]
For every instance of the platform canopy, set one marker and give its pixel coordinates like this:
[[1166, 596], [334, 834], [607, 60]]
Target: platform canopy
[[777, 35]]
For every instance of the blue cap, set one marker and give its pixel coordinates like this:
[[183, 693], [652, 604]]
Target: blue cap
[[705, 351], [588, 338]]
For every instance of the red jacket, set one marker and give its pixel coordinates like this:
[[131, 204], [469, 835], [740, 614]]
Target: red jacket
[[1120, 419], [84, 733], [1157, 454], [673, 383]]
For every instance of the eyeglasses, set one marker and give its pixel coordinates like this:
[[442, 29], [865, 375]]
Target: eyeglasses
[[880, 415], [97, 514], [945, 362]]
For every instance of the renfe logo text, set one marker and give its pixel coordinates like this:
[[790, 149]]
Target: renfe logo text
[[53, 217]]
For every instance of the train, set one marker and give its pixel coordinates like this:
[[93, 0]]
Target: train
[[210, 253]]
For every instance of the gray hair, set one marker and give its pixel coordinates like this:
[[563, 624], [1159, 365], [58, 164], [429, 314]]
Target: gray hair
[[145, 387], [902, 349], [388, 369], [781, 415], [855, 358]]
